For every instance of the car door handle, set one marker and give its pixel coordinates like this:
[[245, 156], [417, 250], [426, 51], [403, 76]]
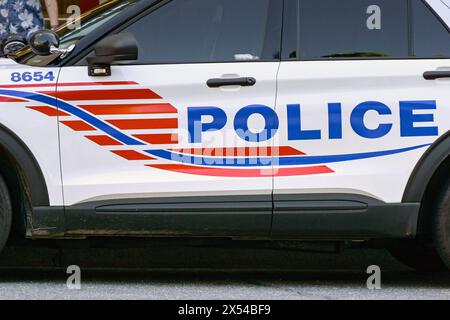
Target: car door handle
[[433, 75], [220, 82]]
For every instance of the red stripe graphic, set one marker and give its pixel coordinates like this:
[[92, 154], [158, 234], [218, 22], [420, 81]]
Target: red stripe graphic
[[69, 84], [51, 112], [302, 171], [112, 109], [83, 95], [241, 152], [140, 124], [9, 99], [78, 125], [158, 138], [242, 173], [132, 155], [104, 140]]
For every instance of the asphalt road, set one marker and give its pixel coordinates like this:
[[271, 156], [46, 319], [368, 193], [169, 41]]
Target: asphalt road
[[180, 271]]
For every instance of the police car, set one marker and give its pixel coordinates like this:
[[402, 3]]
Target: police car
[[243, 119]]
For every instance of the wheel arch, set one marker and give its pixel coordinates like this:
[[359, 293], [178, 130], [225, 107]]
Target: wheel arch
[[424, 184], [434, 158], [14, 152]]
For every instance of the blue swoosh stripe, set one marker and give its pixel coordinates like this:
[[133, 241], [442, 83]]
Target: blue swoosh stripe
[[62, 105], [281, 161]]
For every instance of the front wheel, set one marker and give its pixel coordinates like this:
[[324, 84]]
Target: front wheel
[[5, 213]]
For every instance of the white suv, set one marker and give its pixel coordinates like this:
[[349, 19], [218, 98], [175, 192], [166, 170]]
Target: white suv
[[246, 119]]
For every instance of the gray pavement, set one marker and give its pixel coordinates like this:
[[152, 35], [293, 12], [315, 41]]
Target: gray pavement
[[178, 271]]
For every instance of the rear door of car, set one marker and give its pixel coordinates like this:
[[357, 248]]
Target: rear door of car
[[357, 87]]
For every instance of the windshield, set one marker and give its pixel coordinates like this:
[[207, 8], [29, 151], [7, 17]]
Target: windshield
[[73, 31]]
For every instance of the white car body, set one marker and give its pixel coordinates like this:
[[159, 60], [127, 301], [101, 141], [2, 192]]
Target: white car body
[[83, 159]]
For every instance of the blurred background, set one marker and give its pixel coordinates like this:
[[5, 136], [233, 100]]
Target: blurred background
[[64, 5]]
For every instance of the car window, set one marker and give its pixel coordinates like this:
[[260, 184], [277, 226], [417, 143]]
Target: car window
[[68, 34], [430, 38], [345, 29], [189, 31]]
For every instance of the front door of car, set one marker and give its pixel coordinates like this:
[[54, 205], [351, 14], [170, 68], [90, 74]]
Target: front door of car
[[182, 119], [359, 102]]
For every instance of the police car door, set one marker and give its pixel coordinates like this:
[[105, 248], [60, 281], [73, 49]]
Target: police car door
[[185, 117], [359, 108]]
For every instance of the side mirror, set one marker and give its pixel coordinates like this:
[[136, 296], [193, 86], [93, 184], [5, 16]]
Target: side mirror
[[46, 42], [118, 47], [43, 41]]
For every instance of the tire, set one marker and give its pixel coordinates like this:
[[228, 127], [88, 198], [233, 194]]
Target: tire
[[441, 225], [419, 256], [5, 213]]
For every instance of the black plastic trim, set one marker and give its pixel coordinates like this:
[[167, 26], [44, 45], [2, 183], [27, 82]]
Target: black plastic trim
[[48, 222], [184, 216], [301, 217], [37, 187], [425, 169], [342, 216]]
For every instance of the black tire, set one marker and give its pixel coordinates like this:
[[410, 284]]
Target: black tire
[[441, 225], [419, 256], [5, 213]]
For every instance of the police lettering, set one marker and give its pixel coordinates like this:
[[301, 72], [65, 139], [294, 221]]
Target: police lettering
[[416, 120]]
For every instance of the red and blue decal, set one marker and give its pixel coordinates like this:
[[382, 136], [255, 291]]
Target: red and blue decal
[[109, 126]]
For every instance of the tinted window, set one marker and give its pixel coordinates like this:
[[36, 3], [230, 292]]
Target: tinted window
[[346, 28], [430, 37], [207, 31], [89, 22]]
